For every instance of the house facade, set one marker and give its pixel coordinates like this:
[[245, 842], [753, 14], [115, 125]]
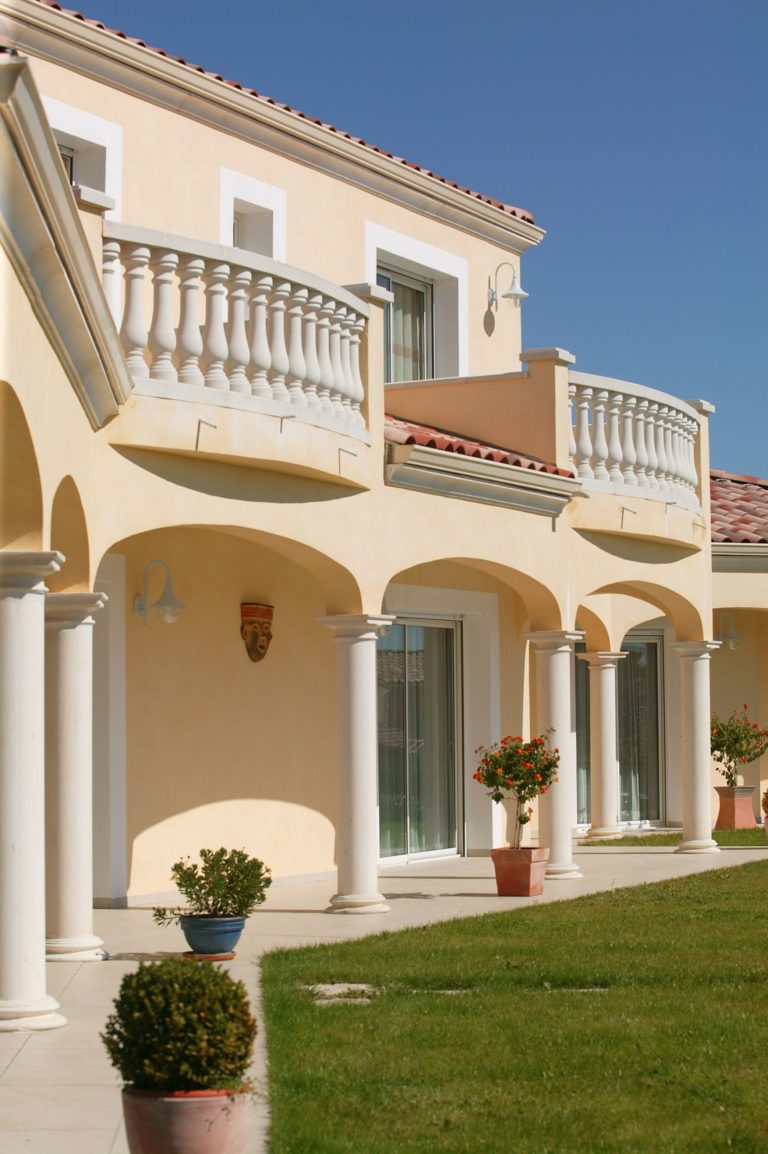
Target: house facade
[[291, 521]]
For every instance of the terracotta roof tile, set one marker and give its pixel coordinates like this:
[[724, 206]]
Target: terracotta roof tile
[[509, 209], [402, 432], [739, 508]]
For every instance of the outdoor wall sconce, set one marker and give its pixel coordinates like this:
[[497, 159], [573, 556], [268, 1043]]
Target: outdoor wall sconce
[[513, 293], [167, 605], [256, 628], [728, 635]]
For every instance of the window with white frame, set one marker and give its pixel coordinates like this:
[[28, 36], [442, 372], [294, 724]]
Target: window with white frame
[[91, 151], [427, 325], [252, 215], [408, 354]]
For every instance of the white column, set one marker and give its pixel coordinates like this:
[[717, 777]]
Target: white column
[[603, 743], [24, 1004], [357, 827], [69, 776], [555, 711], [695, 756]]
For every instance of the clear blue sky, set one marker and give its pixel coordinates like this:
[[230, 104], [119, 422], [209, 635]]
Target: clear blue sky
[[636, 131]]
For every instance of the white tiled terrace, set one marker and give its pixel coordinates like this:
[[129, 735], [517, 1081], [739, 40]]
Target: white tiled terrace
[[58, 1093]]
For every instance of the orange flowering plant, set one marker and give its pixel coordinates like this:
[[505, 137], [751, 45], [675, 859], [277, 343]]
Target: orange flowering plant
[[735, 742], [518, 769]]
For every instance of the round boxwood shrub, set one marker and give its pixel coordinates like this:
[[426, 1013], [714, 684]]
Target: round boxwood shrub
[[180, 1025]]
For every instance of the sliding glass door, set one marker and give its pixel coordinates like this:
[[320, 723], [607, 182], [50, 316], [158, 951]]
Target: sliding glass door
[[639, 732], [418, 709]]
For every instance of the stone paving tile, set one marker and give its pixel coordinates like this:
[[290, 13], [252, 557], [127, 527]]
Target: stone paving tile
[[57, 1107], [59, 1142]]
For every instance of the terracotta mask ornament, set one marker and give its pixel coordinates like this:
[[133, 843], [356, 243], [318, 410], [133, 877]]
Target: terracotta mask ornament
[[256, 628]]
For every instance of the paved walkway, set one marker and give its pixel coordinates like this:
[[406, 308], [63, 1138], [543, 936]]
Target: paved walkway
[[58, 1093]]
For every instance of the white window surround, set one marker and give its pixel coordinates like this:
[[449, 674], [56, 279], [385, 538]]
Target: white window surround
[[449, 276], [481, 721], [80, 129], [266, 202]]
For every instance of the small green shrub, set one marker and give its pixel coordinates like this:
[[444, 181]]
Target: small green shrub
[[180, 1025], [227, 884]]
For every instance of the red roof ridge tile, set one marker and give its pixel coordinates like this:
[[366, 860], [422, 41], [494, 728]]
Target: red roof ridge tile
[[739, 478], [508, 209], [431, 437]]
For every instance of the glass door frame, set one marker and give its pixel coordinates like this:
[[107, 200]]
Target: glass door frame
[[453, 623]]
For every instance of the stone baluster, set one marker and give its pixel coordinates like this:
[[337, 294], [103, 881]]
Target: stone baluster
[[312, 374], [133, 331], [675, 432], [583, 438], [190, 343], [277, 349], [215, 348], [571, 420], [111, 270], [162, 335], [599, 443], [628, 453], [324, 356], [661, 452], [652, 467], [359, 394], [640, 445], [261, 360], [614, 439], [239, 352], [337, 391], [346, 363], [693, 429], [297, 366]]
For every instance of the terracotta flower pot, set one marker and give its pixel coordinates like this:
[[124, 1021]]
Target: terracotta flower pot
[[187, 1122], [736, 810], [519, 872]]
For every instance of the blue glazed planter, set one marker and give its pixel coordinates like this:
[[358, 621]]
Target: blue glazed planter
[[211, 935]]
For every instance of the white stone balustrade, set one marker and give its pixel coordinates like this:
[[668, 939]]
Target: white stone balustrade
[[198, 319], [629, 438]]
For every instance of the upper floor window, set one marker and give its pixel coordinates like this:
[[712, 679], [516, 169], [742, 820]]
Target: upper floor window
[[252, 215], [408, 353], [91, 151], [68, 160]]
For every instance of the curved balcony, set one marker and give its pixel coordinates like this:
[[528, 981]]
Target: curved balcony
[[202, 322]]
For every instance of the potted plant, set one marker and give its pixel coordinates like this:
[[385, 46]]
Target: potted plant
[[181, 1036], [221, 892], [519, 770], [735, 742]]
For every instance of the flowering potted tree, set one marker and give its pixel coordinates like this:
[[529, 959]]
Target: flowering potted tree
[[736, 742], [765, 811], [518, 770]]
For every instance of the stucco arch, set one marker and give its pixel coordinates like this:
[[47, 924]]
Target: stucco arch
[[339, 587], [684, 617], [69, 534], [541, 605], [21, 493]]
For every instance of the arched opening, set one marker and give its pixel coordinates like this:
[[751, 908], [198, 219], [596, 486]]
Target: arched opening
[[70, 536], [21, 495]]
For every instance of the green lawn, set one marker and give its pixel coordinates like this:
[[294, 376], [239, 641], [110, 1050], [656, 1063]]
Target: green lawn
[[739, 837], [629, 1021]]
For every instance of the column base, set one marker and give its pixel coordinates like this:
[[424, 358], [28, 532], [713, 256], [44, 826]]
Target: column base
[[37, 1015], [87, 948], [357, 904], [604, 831], [700, 845], [564, 871]]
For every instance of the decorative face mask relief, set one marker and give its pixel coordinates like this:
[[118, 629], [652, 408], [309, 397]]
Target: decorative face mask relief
[[256, 628]]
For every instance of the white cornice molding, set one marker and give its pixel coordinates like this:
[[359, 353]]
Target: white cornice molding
[[104, 56], [473, 479], [739, 557], [41, 232]]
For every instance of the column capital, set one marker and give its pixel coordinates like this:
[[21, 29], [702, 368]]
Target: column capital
[[601, 657], [554, 638], [354, 625], [690, 650], [25, 572], [68, 610]]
